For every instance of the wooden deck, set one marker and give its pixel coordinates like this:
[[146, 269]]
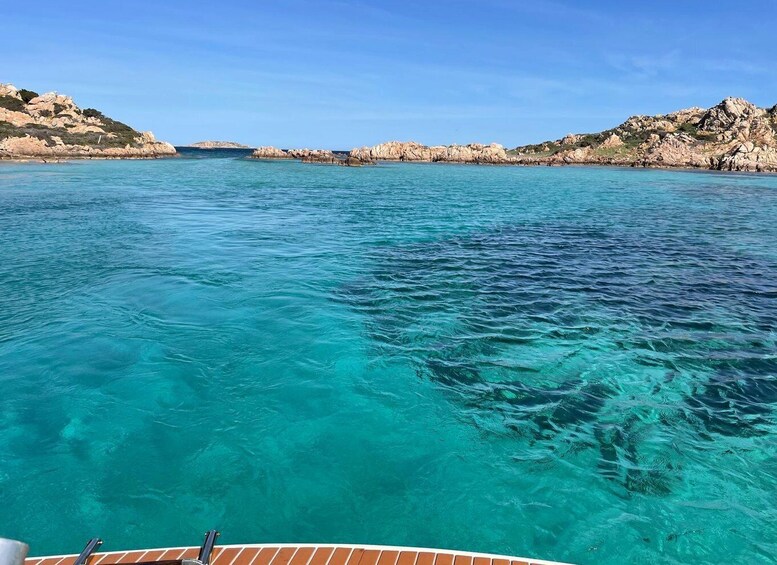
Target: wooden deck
[[299, 554]]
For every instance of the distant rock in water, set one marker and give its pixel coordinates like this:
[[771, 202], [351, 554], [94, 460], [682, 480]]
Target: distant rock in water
[[317, 156], [734, 135], [51, 126], [219, 145], [412, 151]]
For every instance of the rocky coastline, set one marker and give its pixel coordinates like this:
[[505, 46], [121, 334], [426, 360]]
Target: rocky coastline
[[734, 135], [51, 127]]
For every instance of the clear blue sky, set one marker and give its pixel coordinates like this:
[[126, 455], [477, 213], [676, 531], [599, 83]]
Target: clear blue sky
[[351, 72]]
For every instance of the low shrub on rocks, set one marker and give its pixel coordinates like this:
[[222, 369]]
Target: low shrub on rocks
[[27, 95]]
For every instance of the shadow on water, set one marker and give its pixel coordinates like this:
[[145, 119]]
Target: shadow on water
[[577, 338]]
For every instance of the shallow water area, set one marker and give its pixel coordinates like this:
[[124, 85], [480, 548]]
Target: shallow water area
[[575, 364]]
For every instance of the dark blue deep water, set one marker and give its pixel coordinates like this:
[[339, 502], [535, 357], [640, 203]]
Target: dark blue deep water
[[570, 363]]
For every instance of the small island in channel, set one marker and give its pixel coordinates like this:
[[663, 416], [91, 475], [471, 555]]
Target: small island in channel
[[51, 127]]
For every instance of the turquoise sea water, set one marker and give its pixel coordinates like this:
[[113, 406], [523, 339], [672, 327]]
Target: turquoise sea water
[[570, 363]]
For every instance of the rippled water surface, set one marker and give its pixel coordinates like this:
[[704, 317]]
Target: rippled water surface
[[575, 364]]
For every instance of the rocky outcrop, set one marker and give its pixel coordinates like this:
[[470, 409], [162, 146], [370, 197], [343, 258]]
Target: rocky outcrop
[[351, 161], [320, 156], [613, 141], [52, 126], [570, 138], [413, 151], [311, 155], [219, 145], [730, 117], [749, 157], [733, 135], [267, 152], [673, 150], [316, 156]]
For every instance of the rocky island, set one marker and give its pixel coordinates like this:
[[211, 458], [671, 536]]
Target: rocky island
[[412, 151], [318, 156], [51, 127], [734, 135], [219, 145]]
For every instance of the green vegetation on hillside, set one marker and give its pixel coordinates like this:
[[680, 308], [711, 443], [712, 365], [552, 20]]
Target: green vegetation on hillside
[[48, 134], [124, 134], [117, 134], [11, 103]]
